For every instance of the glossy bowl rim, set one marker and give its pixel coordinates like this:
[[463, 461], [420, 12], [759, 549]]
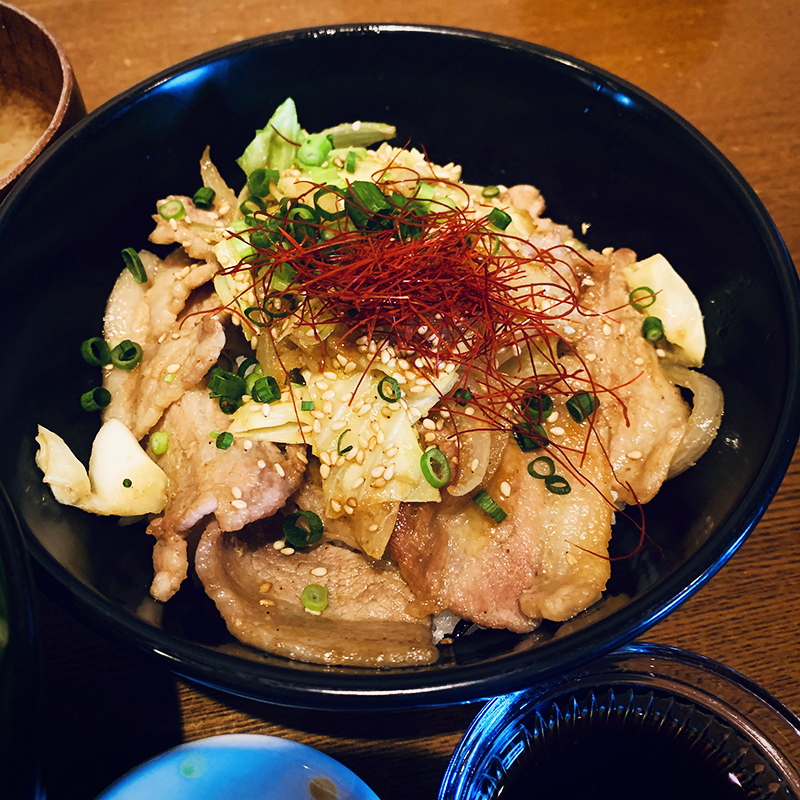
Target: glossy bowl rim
[[403, 688]]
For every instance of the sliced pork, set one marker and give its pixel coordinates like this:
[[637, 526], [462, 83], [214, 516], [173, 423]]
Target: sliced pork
[[372, 618]]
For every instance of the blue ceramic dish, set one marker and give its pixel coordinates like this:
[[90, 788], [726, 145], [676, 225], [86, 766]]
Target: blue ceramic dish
[[601, 151], [241, 767]]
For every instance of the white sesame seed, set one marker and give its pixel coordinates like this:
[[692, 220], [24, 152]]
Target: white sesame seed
[[571, 560], [417, 388], [378, 471], [358, 482], [265, 409], [389, 473], [429, 424], [352, 502], [173, 367], [280, 470], [378, 483], [588, 282], [591, 356], [317, 426], [638, 361], [336, 506], [553, 417], [505, 489], [660, 353], [327, 408], [236, 492], [372, 528], [430, 437], [469, 411], [173, 224], [350, 367], [635, 455], [306, 429], [474, 464], [279, 545], [247, 444], [240, 504], [557, 431], [331, 376], [364, 410], [569, 330], [360, 457], [606, 330], [391, 451], [261, 463], [323, 386], [319, 572], [339, 425], [324, 470], [287, 551], [266, 601], [325, 458]]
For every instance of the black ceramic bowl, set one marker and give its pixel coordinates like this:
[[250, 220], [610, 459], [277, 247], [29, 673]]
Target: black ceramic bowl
[[601, 151]]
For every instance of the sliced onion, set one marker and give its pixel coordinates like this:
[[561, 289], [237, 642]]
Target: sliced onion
[[211, 178], [703, 422], [487, 448]]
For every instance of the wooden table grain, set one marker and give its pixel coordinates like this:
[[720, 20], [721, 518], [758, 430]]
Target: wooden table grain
[[732, 68]]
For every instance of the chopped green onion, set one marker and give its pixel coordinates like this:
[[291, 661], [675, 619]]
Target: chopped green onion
[[295, 376], [228, 405], [314, 597], [159, 442], [278, 306], [204, 197], [259, 180], [435, 467], [342, 450], [266, 390], [557, 484], [485, 502], [261, 240], [258, 319], [652, 329], [393, 393], [169, 377], [542, 467], [642, 297], [134, 265], [222, 383], [172, 209], [363, 201], [127, 483], [307, 405], [224, 440], [126, 355], [95, 399], [302, 536], [315, 149], [350, 162], [252, 204], [530, 436], [490, 191], [582, 405], [245, 365], [539, 406], [95, 351], [499, 219], [462, 396]]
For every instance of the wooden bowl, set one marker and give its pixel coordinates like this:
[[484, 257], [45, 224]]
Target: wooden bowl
[[38, 82]]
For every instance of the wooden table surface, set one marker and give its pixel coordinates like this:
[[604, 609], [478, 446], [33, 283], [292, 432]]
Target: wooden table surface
[[732, 68]]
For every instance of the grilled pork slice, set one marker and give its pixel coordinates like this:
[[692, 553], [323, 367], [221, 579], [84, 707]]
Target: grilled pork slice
[[179, 328], [546, 560], [372, 618], [245, 482]]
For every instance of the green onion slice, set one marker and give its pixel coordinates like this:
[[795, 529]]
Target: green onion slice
[[172, 209], [557, 484], [314, 597], [266, 390], [127, 483], [652, 329], [278, 306], [582, 405], [315, 149], [538, 406], [642, 297], [499, 219], [391, 394], [222, 383], [159, 442], [350, 162], [307, 405], [530, 436], [224, 440], [462, 396], [126, 355], [259, 180], [435, 467], [342, 450], [485, 502], [252, 204], [542, 467], [204, 197], [253, 314], [228, 405], [246, 365], [134, 265], [95, 399], [490, 191], [95, 351], [302, 535]]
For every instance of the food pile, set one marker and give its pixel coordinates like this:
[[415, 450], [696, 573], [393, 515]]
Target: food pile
[[368, 399]]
